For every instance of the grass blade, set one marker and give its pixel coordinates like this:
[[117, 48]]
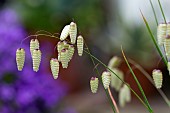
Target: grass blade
[[139, 86], [153, 9], [162, 11], [153, 39]]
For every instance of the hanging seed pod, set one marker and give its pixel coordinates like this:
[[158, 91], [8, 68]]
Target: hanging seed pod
[[114, 62], [168, 66], [157, 78], [167, 46], [54, 67], [106, 78], [80, 44], [20, 58], [124, 95], [65, 32], [73, 32], [94, 82], [161, 33], [34, 44], [36, 57], [70, 52], [116, 83], [168, 29], [64, 59]]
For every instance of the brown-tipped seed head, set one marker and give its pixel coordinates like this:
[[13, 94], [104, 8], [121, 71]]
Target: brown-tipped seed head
[[94, 82], [157, 78], [73, 32], [34, 44], [20, 58]]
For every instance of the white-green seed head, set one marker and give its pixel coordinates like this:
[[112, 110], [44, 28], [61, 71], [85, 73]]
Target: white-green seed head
[[114, 62], [94, 82], [73, 32], [161, 33], [157, 78], [64, 58], [36, 57], [80, 45], [54, 64], [34, 44], [167, 46], [106, 78], [20, 58], [65, 32]]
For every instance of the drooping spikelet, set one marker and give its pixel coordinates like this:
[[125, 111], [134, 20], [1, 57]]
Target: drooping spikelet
[[54, 64], [20, 58], [34, 44], [157, 78], [64, 58], [168, 29], [36, 57], [70, 52], [114, 62], [167, 46], [73, 32], [116, 83], [60, 46], [124, 95], [106, 78], [65, 32], [94, 82], [80, 44], [161, 33]]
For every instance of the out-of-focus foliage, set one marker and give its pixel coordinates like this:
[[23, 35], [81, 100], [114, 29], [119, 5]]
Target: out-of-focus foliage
[[53, 14]]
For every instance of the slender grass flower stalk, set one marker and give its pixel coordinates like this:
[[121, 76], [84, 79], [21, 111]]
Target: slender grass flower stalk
[[94, 82], [73, 32], [106, 78], [36, 57], [54, 64], [167, 46], [20, 58], [34, 44], [158, 78], [161, 33], [65, 32], [124, 95], [80, 44], [116, 83], [64, 59], [114, 62]]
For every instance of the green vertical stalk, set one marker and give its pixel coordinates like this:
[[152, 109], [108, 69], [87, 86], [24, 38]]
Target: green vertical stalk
[[153, 9], [162, 11]]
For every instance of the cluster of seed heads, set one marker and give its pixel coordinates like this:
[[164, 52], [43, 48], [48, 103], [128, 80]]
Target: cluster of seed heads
[[109, 79], [65, 50]]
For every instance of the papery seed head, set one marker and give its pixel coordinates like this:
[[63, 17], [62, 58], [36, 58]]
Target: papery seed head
[[64, 58], [65, 32], [80, 44], [34, 44], [94, 82], [114, 62], [106, 78], [161, 33], [20, 58], [54, 64], [36, 57], [157, 78], [73, 32], [168, 28], [70, 52], [167, 46], [60, 46]]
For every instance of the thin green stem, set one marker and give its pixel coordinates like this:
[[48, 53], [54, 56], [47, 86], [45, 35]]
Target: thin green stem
[[151, 80], [139, 85], [117, 77], [162, 11], [153, 39], [153, 9], [100, 79]]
